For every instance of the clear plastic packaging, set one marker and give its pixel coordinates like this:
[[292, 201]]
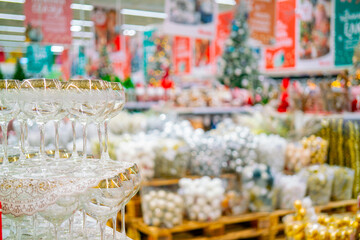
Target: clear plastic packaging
[[239, 146], [343, 183], [271, 151], [296, 157], [162, 206], [202, 198], [172, 156], [236, 201], [319, 183], [258, 180], [318, 149], [207, 154], [291, 188]]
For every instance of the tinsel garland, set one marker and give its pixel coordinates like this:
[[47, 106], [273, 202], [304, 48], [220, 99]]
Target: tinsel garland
[[344, 146]]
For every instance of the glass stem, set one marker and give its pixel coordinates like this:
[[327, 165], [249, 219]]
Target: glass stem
[[102, 230], [100, 140], [42, 141], [106, 130], [74, 151], [18, 230], [4, 126], [71, 220], [84, 141], [84, 223], [123, 220], [114, 220], [56, 232], [22, 139], [34, 226], [57, 151]]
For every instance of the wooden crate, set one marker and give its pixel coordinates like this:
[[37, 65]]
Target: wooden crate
[[245, 226]]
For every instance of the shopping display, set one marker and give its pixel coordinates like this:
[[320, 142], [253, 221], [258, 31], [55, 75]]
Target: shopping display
[[51, 186], [203, 119]]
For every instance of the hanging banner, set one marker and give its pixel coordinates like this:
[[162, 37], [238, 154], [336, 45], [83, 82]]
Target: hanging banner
[[39, 57], [121, 60], [106, 30], [223, 31], [182, 55], [192, 18], [48, 21], [262, 21], [149, 49], [282, 55], [347, 30], [314, 46]]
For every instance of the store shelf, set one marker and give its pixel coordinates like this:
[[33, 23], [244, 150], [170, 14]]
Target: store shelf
[[203, 110], [166, 182], [140, 105]]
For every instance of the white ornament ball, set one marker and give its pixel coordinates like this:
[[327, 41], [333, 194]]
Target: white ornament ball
[[161, 194]]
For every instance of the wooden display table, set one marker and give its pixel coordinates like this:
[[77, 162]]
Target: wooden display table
[[245, 226]]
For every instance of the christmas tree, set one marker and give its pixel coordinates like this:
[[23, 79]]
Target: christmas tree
[[19, 72], [238, 66], [1, 74], [159, 63], [105, 70]]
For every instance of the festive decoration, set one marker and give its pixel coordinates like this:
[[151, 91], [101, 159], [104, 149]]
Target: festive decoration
[[19, 72], [159, 64], [239, 65], [105, 70]]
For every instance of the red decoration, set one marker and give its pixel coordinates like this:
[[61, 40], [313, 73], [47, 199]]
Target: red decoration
[[284, 98]]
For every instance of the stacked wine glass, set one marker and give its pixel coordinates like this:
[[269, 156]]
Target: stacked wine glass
[[71, 191]]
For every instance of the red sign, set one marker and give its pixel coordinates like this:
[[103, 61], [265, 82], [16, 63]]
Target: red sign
[[121, 59], [223, 31], [48, 21], [65, 64], [283, 54], [182, 55], [262, 18]]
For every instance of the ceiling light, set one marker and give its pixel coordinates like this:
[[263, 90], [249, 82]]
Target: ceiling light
[[11, 44], [226, 2], [12, 16], [83, 34], [57, 49], [139, 28], [82, 23], [75, 28], [84, 7], [129, 32], [12, 37], [13, 1], [12, 29], [141, 13]]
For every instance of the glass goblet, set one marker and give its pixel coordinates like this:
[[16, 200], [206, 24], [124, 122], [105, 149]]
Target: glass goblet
[[41, 101], [87, 101], [117, 101], [103, 201], [60, 211], [132, 189], [9, 108]]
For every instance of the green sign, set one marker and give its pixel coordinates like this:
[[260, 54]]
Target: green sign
[[39, 57], [347, 30]]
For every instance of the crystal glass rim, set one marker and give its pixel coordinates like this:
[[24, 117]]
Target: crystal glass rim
[[40, 83], [86, 84], [7, 84]]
